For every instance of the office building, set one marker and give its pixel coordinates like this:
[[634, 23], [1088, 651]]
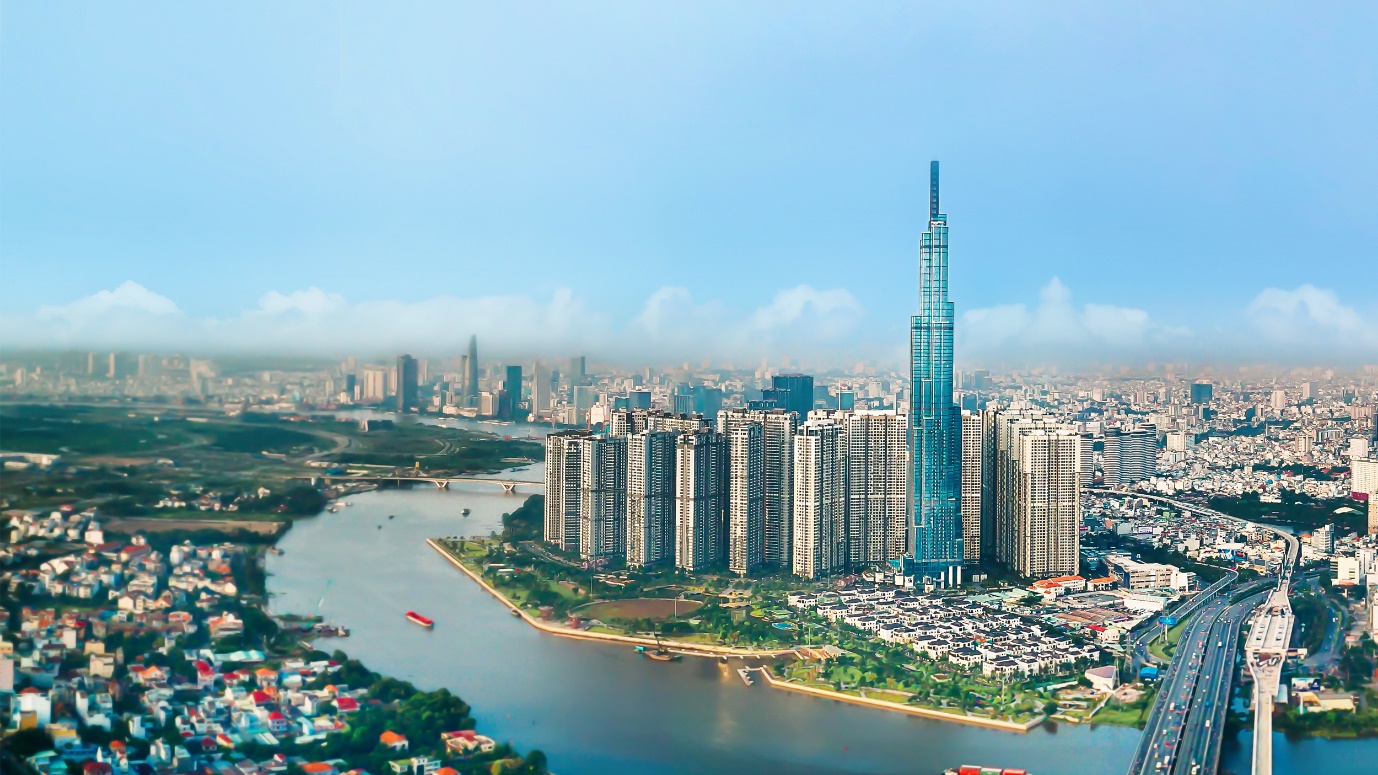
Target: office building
[[935, 452], [1202, 392], [820, 509], [603, 497], [745, 498], [639, 399], [778, 428], [1130, 455], [408, 387], [577, 374], [793, 393], [700, 500], [563, 481], [876, 462], [650, 497]]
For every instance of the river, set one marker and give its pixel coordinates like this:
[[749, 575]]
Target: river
[[601, 709]]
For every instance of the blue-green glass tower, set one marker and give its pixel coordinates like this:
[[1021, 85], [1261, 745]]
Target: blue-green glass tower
[[934, 420]]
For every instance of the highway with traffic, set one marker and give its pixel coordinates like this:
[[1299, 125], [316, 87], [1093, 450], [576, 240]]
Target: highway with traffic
[[1185, 727]]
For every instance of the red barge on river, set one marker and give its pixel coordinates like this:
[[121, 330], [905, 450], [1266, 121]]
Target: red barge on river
[[417, 618]]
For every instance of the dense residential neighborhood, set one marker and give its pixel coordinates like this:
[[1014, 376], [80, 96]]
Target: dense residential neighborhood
[[136, 656]]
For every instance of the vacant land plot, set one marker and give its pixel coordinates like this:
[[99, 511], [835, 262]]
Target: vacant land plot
[[168, 525], [640, 608]]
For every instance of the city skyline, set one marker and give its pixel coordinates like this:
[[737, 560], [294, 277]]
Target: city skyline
[[814, 231]]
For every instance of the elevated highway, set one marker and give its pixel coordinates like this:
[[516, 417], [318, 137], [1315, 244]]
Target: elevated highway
[[1176, 738]]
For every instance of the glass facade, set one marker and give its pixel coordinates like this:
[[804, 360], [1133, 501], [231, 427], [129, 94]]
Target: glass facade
[[935, 421]]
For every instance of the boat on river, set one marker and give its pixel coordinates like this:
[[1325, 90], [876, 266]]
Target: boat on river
[[466, 512], [659, 653], [971, 769], [417, 618]]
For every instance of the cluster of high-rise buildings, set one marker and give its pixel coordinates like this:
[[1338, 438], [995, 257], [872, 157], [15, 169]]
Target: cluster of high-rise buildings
[[780, 486]]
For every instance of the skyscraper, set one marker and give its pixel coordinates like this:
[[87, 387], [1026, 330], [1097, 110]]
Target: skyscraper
[[563, 473], [877, 460], [650, 497], [820, 507], [936, 425], [512, 385], [778, 427], [407, 387], [1131, 455], [603, 497], [700, 499], [471, 373], [978, 431], [1039, 516], [540, 391], [793, 393], [745, 498]]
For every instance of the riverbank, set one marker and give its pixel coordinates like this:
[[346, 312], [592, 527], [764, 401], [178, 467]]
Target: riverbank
[[913, 710], [704, 650], [692, 649]]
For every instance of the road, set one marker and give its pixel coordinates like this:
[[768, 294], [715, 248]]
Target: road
[[1203, 731], [1139, 646], [1162, 737]]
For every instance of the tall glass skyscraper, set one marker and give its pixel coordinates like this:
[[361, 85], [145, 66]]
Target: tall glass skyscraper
[[935, 421]]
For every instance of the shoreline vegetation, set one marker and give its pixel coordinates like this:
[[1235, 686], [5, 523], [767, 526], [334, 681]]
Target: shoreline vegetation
[[712, 650]]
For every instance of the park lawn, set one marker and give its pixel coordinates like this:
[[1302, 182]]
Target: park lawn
[[1118, 715], [885, 695]]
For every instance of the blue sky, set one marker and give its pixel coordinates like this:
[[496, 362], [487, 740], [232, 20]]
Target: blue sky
[[707, 180]]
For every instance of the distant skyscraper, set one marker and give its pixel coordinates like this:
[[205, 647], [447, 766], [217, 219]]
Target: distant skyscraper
[[794, 393], [540, 390], [563, 475], [1201, 392], [936, 424], [512, 385], [407, 387], [745, 498], [650, 498], [700, 500], [1130, 455], [471, 373], [820, 507], [778, 428], [576, 370], [877, 462]]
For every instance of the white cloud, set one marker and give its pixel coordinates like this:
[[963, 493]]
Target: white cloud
[[671, 324], [1057, 325], [128, 297], [1307, 315]]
